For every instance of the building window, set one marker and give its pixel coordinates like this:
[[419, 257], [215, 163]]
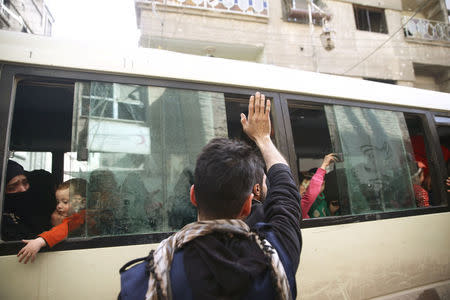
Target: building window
[[370, 19], [297, 11]]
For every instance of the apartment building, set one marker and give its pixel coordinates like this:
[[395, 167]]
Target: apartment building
[[404, 42], [31, 16]]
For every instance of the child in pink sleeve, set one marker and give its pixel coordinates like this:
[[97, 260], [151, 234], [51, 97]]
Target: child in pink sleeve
[[311, 188]]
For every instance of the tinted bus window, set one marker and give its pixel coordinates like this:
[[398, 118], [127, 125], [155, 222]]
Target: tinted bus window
[[134, 148], [378, 168], [377, 153]]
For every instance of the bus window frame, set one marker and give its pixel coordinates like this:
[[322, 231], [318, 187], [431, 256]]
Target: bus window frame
[[10, 76], [435, 157], [437, 122]]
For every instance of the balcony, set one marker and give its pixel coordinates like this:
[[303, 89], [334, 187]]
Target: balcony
[[257, 8], [423, 30]]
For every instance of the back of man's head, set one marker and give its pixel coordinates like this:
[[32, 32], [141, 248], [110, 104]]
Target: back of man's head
[[224, 177]]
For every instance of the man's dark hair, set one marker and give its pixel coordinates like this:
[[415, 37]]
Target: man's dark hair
[[224, 177]]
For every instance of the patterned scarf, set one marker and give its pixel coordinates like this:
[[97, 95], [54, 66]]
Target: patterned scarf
[[159, 286]]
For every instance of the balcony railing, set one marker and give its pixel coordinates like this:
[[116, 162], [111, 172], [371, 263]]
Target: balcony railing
[[426, 30], [243, 7]]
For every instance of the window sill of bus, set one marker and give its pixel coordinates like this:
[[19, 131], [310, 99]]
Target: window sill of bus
[[337, 220]]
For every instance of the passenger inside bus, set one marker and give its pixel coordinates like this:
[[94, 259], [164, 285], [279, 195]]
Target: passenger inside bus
[[70, 199], [259, 195], [104, 202], [140, 209], [418, 144], [421, 195], [313, 201], [29, 202], [182, 211], [71, 196]]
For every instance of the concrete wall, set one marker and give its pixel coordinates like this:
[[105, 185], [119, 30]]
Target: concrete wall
[[288, 44]]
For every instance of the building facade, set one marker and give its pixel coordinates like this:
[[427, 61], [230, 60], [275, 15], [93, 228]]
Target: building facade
[[31, 16], [405, 42]]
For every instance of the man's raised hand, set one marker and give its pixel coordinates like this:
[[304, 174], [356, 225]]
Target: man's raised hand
[[257, 126]]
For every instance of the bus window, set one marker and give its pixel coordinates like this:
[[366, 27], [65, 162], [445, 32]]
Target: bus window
[[376, 169], [135, 146], [33, 160], [443, 129], [421, 175], [312, 143], [139, 145]]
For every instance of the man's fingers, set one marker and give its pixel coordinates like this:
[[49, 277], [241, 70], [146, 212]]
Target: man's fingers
[[243, 120], [33, 257], [262, 104], [268, 107], [257, 102], [251, 107]]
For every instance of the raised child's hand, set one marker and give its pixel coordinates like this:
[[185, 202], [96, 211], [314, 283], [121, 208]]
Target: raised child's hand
[[328, 160], [30, 250]]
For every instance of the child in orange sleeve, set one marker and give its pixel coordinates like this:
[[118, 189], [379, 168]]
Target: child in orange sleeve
[[69, 215]]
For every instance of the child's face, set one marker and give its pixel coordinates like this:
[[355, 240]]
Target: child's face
[[63, 202], [304, 186]]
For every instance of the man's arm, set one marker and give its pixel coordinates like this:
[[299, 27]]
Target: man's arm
[[258, 127], [282, 204]]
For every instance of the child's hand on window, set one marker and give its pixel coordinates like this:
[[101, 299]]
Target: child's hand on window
[[30, 250], [328, 160]]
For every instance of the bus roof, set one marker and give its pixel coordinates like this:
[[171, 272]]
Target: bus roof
[[36, 50]]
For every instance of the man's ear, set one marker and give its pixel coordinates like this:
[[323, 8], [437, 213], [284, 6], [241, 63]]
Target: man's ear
[[257, 191], [246, 208], [192, 194]]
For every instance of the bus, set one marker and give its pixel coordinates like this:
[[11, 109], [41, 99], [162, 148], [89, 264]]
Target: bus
[[131, 121]]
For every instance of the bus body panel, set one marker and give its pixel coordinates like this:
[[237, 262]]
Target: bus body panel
[[370, 259], [351, 261]]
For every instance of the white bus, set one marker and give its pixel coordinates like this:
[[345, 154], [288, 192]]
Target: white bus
[[131, 122]]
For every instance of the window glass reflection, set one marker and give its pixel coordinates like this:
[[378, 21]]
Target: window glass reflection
[[378, 158], [139, 145]]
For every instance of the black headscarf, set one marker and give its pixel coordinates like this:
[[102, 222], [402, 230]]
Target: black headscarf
[[27, 214], [13, 170]]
